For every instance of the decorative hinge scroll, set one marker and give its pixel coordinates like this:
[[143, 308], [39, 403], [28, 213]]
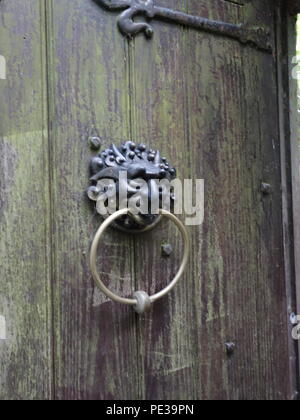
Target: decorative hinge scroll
[[257, 36]]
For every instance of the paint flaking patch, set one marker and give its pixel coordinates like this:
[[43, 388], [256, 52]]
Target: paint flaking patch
[[2, 328]]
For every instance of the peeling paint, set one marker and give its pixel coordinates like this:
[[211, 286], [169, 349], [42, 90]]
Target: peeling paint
[[2, 328]]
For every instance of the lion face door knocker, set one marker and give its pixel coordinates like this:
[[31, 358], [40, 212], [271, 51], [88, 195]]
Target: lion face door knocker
[[133, 176], [132, 190]]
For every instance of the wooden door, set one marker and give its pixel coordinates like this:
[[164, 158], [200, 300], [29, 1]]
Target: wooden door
[[216, 108]]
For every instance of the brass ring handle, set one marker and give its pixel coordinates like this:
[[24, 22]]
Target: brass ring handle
[[141, 300]]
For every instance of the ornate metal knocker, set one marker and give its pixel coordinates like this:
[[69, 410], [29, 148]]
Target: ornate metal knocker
[[140, 174]]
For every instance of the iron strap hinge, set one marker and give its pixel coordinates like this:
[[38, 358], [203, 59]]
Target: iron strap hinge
[[257, 36]]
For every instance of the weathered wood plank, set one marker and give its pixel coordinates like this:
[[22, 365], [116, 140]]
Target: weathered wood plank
[[166, 72], [213, 131], [25, 294], [292, 137], [295, 141], [247, 279], [210, 105], [166, 347], [96, 346]]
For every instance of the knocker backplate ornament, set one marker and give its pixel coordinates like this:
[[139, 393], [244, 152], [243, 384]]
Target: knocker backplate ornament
[[136, 173], [256, 36]]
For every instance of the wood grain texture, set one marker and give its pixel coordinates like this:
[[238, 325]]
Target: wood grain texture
[[284, 31], [167, 350], [211, 105], [95, 340], [25, 295], [293, 149]]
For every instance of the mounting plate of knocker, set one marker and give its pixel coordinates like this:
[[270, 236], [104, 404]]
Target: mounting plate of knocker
[[132, 176]]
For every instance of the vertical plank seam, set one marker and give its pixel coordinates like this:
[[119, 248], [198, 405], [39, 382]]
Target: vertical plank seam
[[140, 363], [130, 43], [187, 130], [294, 131], [48, 25], [45, 115], [287, 228]]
